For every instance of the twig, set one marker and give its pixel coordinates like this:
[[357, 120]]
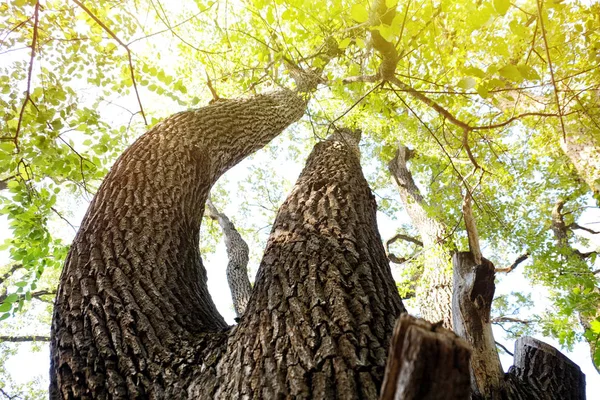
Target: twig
[[124, 45], [9, 273]]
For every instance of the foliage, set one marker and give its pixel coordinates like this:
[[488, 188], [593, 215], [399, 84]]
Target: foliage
[[79, 81]]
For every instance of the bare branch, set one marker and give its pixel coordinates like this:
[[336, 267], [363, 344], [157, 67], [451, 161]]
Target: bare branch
[[400, 236], [124, 45], [514, 265], [471, 228], [575, 225], [504, 348], [499, 320]]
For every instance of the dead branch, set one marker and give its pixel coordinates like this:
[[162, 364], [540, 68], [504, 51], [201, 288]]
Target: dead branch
[[514, 265]]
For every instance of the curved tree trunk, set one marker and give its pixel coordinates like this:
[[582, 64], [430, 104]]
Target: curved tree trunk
[[434, 289], [133, 308], [237, 254]]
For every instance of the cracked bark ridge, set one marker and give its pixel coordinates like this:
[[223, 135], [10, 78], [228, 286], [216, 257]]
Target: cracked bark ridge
[[133, 311], [237, 254], [322, 313], [434, 288], [426, 362]]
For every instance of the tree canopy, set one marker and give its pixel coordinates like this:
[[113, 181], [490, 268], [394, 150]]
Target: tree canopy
[[497, 100]]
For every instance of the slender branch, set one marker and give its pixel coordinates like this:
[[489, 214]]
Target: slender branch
[[504, 348], [541, 18], [9, 273], [514, 265], [124, 45], [497, 320], [399, 236], [29, 73], [20, 339], [575, 225]]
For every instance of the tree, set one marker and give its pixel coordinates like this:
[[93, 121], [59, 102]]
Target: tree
[[496, 120]]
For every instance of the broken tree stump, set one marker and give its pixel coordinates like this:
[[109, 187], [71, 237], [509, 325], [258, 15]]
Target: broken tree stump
[[426, 362]]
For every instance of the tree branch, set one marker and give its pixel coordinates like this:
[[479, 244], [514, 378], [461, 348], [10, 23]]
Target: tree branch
[[20, 339], [9, 273], [504, 348], [124, 45], [514, 265], [575, 225]]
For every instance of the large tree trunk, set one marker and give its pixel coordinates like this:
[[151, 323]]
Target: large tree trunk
[[434, 288], [133, 308], [133, 316]]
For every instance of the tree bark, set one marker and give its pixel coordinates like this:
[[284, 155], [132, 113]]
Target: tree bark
[[237, 254], [133, 311], [324, 303], [434, 289]]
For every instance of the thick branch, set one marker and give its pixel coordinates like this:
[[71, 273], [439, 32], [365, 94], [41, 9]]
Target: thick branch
[[514, 265], [237, 253], [19, 339], [471, 228]]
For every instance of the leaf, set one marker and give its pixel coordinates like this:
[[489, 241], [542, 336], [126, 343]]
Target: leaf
[[528, 72], [6, 306], [21, 284], [359, 13], [344, 43], [511, 73], [467, 83], [11, 298], [391, 3], [595, 325], [501, 6]]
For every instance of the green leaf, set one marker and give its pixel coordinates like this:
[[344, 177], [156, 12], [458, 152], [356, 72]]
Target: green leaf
[[359, 13], [4, 316], [21, 284], [391, 3], [11, 298], [501, 6], [467, 83], [6, 306], [528, 72], [511, 73], [344, 43]]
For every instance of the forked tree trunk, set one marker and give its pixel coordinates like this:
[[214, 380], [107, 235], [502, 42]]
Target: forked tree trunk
[[133, 316], [133, 311], [434, 288]]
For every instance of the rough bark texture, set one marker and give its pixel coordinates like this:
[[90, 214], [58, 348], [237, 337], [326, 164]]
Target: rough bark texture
[[434, 289], [237, 254], [133, 311], [426, 362], [542, 372], [472, 301], [324, 303]]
